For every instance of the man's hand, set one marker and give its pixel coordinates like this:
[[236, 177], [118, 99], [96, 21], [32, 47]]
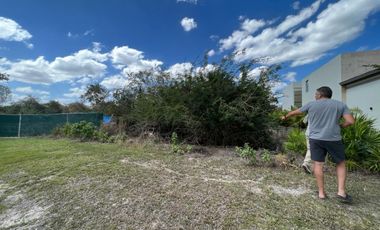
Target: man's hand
[[348, 120], [291, 113]]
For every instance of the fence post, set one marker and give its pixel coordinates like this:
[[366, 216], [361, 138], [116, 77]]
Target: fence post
[[19, 125]]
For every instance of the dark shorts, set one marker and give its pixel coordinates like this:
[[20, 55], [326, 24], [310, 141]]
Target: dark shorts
[[319, 149]]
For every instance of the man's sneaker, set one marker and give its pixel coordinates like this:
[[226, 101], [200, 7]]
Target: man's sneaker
[[306, 168]]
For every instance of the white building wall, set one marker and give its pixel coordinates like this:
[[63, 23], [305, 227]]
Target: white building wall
[[288, 93], [353, 64], [365, 96], [328, 75]]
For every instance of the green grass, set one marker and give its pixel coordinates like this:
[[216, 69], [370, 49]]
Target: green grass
[[47, 183]]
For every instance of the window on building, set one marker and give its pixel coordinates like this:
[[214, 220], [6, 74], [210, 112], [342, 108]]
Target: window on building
[[307, 86]]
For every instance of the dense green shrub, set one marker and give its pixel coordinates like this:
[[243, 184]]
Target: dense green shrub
[[83, 130], [214, 108], [373, 161], [296, 141], [362, 142]]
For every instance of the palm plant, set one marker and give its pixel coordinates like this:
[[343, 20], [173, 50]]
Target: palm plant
[[362, 140]]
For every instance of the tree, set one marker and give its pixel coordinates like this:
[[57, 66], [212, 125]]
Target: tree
[[76, 107], [5, 92], [96, 94], [29, 105], [54, 107]]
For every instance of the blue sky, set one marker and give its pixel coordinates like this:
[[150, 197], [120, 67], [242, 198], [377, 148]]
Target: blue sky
[[53, 49]]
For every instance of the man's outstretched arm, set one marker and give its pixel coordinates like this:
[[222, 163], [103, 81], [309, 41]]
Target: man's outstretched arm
[[292, 113]]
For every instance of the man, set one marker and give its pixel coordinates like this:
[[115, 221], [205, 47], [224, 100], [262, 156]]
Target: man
[[324, 116]]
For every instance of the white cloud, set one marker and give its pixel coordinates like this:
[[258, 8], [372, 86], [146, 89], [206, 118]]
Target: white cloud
[[211, 53], [132, 61], [188, 1], [12, 31], [83, 81], [340, 22], [24, 90], [278, 86], [247, 27], [115, 82], [296, 5], [29, 45], [84, 63], [122, 56], [188, 23], [71, 35], [89, 32], [290, 76], [82, 67], [214, 37], [362, 48], [97, 46], [205, 69], [75, 92], [251, 26], [21, 93], [31, 71], [178, 70], [28, 90], [254, 73]]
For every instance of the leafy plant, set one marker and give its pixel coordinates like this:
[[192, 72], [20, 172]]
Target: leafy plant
[[352, 165], [296, 141], [362, 141], [178, 148], [373, 161], [266, 156], [247, 152], [82, 130]]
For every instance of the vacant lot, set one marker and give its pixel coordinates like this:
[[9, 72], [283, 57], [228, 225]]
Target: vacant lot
[[46, 183]]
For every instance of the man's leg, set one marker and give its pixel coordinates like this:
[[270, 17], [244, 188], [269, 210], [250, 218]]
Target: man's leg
[[318, 172], [336, 149], [341, 174]]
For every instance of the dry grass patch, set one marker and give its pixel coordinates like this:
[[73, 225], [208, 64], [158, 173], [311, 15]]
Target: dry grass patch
[[136, 186]]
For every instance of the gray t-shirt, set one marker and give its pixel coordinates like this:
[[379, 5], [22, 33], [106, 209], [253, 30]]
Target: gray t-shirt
[[323, 118]]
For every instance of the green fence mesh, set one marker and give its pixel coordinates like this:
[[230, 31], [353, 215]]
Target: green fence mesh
[[41, 124]]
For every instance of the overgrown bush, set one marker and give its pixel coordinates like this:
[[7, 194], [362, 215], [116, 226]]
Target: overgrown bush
[[85, 131], [216, 107]]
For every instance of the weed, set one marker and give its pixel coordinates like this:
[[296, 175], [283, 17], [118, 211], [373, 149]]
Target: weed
[[247, 152]]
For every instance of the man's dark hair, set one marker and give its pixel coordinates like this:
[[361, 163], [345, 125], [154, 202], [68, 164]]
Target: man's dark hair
[[325, 91]]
